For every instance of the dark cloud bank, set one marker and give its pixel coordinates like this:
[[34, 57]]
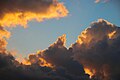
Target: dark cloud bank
[[97, 48]]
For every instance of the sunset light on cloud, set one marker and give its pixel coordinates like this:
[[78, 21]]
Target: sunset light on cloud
[[20, 15], [103, 1], [97, 1], [43, 40]]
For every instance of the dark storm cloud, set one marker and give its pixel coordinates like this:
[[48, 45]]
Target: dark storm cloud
[[99, 49]]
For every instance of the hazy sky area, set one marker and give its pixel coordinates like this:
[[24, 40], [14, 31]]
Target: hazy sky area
[[39, 35]]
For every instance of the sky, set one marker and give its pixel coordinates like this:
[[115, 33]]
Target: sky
[[39, 35]]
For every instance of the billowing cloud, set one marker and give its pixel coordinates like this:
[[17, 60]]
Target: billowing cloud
[[60, 56], [38, 66], [96, 51], [97, 48], [54, 63]]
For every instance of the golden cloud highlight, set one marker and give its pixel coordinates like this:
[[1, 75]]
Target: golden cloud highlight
[[20, 12], [21, 17]]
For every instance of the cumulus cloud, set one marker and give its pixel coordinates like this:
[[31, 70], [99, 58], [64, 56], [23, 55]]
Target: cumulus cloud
[[63, 65], [97, 48], [60, 56], [96, 52]]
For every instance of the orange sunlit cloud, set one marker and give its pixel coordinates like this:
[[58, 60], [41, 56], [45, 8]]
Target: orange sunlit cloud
[[97, 1], [110, 35], [44, 63], [16, 14], [88, 71], [21, 18]]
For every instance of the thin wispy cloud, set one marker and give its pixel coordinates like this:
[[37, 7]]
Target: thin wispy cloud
[[97, 1], [103, 1]]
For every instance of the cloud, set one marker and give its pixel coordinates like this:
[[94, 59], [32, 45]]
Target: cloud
[[97, 48], [104, 1], [14, 70], [54, 63], [19, 12], [96, 52], [4, 34], [37, 66], [97, 1], [60, 56]]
